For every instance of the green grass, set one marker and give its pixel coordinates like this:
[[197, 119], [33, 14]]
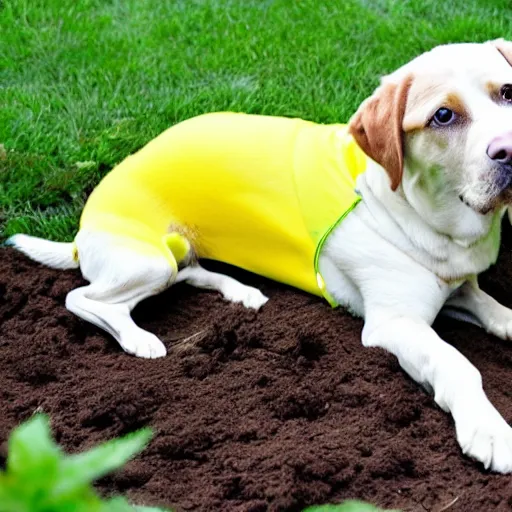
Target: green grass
[[83, 83]]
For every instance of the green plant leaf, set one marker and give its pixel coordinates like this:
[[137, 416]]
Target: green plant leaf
[[346, 506], [8, 501], [80, 470], [116, 505], [32, 449], [40, 477], [121, 505]]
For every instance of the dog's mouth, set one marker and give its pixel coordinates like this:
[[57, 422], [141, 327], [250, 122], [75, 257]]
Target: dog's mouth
[[482, 210], [504, 198], [462, 199]]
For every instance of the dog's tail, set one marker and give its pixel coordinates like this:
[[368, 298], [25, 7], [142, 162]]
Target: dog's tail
[[53, 254]]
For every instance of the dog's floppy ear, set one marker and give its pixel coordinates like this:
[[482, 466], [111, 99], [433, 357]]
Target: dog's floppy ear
[[504, 47], [377, 127]]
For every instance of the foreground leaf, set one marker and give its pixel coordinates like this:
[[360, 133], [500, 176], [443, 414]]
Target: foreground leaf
[[40, 477], [84, 468], [347, 506], [32, 449]]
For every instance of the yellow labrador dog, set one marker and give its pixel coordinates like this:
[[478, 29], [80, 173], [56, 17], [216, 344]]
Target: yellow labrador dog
[[438, 134]]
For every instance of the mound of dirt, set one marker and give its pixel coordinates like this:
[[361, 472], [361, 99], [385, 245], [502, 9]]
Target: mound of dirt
[[268, 411]]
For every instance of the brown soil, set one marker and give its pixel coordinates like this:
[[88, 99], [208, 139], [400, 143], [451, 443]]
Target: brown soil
[[255, 412]]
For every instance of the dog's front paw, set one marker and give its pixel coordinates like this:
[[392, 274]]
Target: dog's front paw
[[247, 295], [484, 435], [499, 323], [141, 343]]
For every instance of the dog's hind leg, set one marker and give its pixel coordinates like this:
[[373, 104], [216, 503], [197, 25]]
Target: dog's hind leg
[[122, 272], [230, 288]]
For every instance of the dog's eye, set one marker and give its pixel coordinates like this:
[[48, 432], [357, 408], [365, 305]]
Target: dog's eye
[[506, 93], [444, 117]]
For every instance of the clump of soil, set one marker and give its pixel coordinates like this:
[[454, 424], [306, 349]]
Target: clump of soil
[[268, 411]]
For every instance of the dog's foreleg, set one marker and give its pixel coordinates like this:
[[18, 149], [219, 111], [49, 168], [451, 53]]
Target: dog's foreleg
[[230, 288], [491, 315], [457, 385]]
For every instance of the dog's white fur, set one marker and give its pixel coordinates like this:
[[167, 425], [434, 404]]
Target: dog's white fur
[[396, 260]]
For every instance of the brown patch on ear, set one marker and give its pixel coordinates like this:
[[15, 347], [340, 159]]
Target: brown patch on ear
[[504, 47], [377, 127]]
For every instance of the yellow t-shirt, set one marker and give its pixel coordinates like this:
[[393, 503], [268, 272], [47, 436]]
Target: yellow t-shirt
[[258, 192]]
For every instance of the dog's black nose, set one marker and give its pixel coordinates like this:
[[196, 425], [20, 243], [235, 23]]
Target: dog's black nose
[[500, 149]]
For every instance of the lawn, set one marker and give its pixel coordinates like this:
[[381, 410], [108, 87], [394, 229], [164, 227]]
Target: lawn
[[83, 83]]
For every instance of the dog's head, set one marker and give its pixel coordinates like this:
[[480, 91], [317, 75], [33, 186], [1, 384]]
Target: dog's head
[[441, 126]]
